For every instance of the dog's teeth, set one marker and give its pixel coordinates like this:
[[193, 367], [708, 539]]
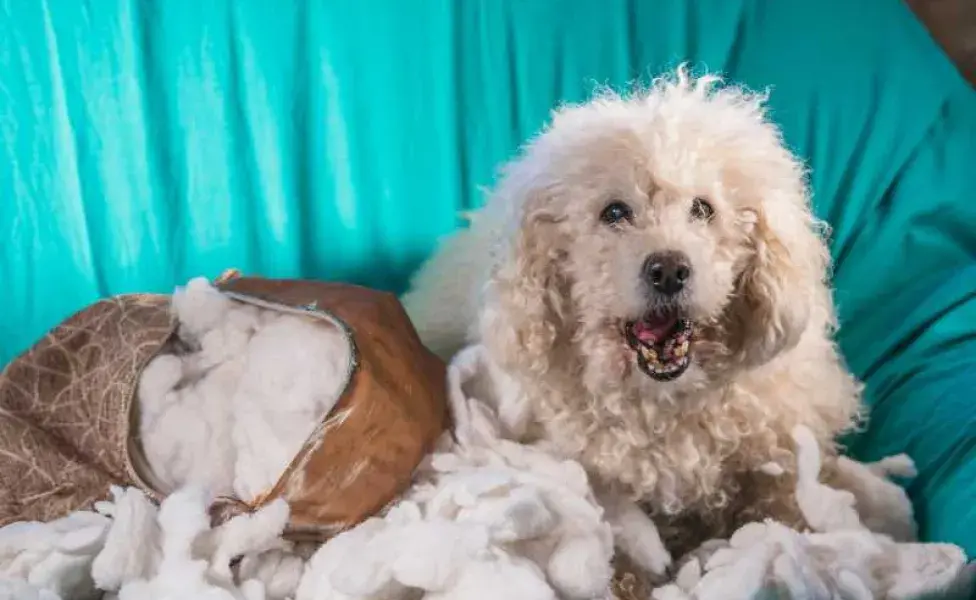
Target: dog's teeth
[[671, 356]]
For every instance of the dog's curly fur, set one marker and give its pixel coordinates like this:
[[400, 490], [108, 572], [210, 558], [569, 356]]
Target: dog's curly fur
[[545, 286]]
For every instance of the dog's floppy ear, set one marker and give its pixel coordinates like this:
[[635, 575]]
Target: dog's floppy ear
[[782, 282], [523, 308]]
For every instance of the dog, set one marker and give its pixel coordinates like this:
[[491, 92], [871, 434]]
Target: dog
[[649, 271]]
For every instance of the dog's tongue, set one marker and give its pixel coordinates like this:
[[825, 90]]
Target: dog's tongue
[[654, 328]]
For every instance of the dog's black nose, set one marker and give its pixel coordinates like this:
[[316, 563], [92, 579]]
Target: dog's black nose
[[666, 272]]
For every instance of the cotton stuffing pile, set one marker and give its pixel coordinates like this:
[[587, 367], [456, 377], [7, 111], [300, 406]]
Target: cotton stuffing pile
[[243, 386]]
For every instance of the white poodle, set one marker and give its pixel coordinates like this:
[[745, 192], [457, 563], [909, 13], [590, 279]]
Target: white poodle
[[649, 272]]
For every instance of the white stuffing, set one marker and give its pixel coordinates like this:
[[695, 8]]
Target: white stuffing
[[247, 394], [133, 517], [51, 559], [134, 551], [486, 518]]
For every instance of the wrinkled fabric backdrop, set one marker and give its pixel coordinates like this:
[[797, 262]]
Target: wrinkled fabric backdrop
[[147, 142]]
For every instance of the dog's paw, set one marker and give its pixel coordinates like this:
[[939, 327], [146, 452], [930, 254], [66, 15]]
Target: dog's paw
[[635, 534], [647, 551]]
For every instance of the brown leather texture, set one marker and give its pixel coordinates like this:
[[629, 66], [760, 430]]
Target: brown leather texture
[[64, 407], [386, 421]]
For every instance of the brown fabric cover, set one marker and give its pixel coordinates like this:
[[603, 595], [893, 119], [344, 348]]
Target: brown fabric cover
[[66, 410], [63, 417]]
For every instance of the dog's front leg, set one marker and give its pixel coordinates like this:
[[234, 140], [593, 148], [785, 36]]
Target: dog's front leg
[[635, 534]]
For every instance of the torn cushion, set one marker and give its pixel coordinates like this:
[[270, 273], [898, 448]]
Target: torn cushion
[[68, 424]]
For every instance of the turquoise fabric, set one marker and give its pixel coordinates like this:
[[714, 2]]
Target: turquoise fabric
[[147, 142]]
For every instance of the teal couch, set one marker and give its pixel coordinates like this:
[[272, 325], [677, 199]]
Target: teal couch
[[148, 142]]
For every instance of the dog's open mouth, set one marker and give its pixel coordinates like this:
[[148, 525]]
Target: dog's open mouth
[[662, 342]]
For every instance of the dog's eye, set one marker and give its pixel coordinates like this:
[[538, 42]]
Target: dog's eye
[[615, 212], [701, 209]]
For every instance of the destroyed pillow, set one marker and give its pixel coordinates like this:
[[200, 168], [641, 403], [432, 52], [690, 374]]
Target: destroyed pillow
[[253, 390]]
